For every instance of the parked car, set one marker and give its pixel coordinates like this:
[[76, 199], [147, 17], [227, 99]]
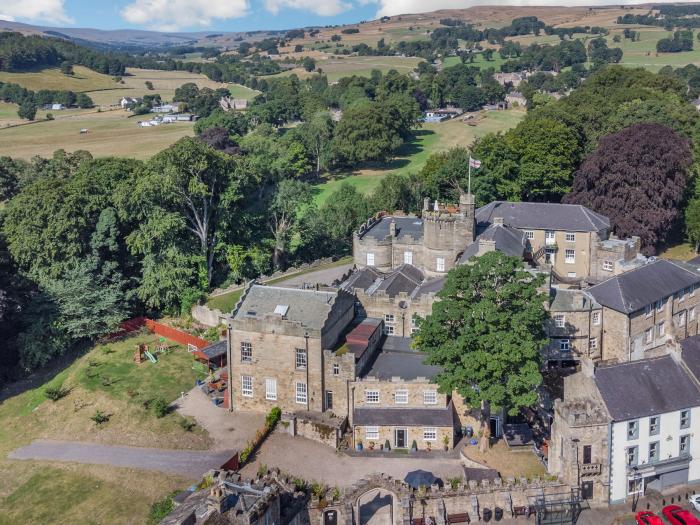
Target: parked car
[[679, 516], [646, 517], [694, 501]]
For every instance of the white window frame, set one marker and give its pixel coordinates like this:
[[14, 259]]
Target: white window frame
[[430, 397], [301, 359], [654, 425], [247, 386], [661, 329], [271, 389], [571, 274], [372, 397], [648, 310], [408, 257], [570, 256], [389, 329], [691, 314], [649, 335], [370, 259], [246, 352], [559, 321], [660, 304], [389, 318], [429, 434], [550, 237], [301, 392], [685, 418], [596, 318], [685, 438], [635, 486], [564, 345], [570, 237], [632, 459], [372, 433], [336, 369], [681, 319], [440, 264], [681, 295], [529, 235], [654, 449], [592, 344], [608, 266], [401, 397]]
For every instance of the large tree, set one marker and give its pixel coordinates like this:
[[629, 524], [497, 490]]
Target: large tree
[[486, 332], [637, 178]]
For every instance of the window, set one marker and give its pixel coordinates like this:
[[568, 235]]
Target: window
[[684, 445], [571, 274], [659, 305], [564, 345], [632, 429], [415, 319], [596, 318], [529, 235], [549, 237], [389, 329], [271, 389], [654, 426], [430, 434], [389, 318], [247, 386], [408, 257], [372, 396], [401, 397], [681, 319], [681, 295], [430, 397], [661, 329], [592, 344], [608, 266], [246, 352], [371, 433], [336, 369], [653, 452], [370, 259], [300, 359], [648, 309], [587, 453], [648, 335], [569, 256], [632, 456], [685, 418], [691, 315], [559, 321], [440, 264], [635, 486], [549, 255], [301, 393], [329, 399], [570, 237]]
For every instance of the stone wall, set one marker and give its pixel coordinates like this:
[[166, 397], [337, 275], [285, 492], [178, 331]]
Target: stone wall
[[208, 316], [387, 393], [321, 428]]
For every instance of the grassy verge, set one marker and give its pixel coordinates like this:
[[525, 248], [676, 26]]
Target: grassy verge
[[682, 252], [105, 379]]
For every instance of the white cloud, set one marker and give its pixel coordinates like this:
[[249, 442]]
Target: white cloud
[[170, 15], [49, 11], [319, 7], [398, 7]]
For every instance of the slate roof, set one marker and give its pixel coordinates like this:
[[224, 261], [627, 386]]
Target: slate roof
[[508, 240], [215, 350], [690, 352], [410, 417], [362, 279], [308, 307], [396, 359], [542, 216], [562, 300], [633, 290], [405, 227], [647, 387], [404, 279], [430, 286]]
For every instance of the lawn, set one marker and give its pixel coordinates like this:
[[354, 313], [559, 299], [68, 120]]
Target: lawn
[[103, 379], [479, 61], [110, 133], [681, 252], [337, 66], [507, 462], [239, 91], [431, 138], [84, 79]]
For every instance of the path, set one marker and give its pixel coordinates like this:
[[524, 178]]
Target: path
[[192, 464], [324, 276], [315, 462]]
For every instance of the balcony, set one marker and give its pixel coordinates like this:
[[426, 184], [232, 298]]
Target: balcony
[[590, 469]]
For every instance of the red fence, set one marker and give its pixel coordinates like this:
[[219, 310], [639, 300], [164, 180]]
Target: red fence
[[163, 330]]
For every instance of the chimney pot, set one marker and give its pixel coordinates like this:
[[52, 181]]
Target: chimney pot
[[498, 220]]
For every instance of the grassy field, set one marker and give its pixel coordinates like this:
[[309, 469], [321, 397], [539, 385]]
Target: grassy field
[[84, 80], [479, 61], [239, 91], [681, 252], [431, 138], [643, 53], [110, 133], [336, 67], [106, 379]]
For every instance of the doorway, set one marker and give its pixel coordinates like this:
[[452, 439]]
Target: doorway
[[400, 438], [587, 490]]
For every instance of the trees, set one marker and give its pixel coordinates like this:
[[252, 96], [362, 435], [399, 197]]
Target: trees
[[233, 121], [309, 64], [636, 178], [317, 134], [83, 101], [27, 109], [486, 332], [284, 211]]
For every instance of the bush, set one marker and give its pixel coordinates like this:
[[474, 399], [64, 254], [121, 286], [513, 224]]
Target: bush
[[100, 417], [161, 407], [245, 454], [187, 425], [55, 393], [272, 418], [161, 508]]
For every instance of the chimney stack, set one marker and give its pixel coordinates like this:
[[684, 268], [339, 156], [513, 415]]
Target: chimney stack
[[498, 221], [392, 228]]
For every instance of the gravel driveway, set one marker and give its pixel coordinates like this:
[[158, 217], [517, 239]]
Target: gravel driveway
[[187, 463]]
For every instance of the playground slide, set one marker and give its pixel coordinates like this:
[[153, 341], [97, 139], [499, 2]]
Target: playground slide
[[150, 356]]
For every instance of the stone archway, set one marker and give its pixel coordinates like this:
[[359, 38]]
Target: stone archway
[[377, 506]]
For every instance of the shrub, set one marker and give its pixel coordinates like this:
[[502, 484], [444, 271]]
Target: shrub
[[318, 490], [161, 407], [187, 425], [245, 454], [100, 417], [262, 469], [161, 508], [387, 445], [55, 393], [273, 417]]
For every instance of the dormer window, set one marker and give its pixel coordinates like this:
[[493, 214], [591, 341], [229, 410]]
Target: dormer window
[[281, 309]]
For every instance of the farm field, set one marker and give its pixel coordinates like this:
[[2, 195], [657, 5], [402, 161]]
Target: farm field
[[110, 133], [479, 61], [84, 80], [336, 67], [106, 379], [643, 53], [430, 138], [239, 91]]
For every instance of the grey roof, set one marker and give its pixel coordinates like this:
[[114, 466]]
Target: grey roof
[[405, 227], [396, 359], [430, 286], [410, 417], [404, 279], [215, 350], [310, 308], [633, 290], [562, 300], [361, 279], [647, 387], [543, 216], [508, 240], [690, 351]]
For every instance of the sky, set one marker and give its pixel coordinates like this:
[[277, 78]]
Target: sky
[[236, 15]]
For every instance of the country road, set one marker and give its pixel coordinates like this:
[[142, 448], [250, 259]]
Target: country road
[[187, 463]]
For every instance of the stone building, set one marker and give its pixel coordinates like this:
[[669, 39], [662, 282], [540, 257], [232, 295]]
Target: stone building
[[624, 429], [431, 243], [574, 326]]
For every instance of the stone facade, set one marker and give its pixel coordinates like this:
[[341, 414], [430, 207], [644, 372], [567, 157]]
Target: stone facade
[[575, 326], [400, 313], [614, 256]]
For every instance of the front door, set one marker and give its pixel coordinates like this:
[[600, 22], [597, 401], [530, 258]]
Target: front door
[[400, 438], [587, 490]]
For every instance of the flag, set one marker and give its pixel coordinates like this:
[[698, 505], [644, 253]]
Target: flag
[[473, 163]]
